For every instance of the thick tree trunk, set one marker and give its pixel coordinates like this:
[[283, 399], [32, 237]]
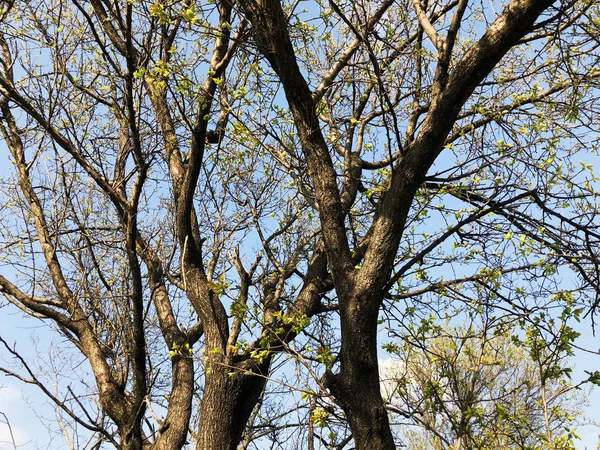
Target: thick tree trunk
[[227, 404], [356, 386], [130, 440]]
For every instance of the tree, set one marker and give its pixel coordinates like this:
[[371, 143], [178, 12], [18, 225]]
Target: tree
[[200, 188], [481, 387]]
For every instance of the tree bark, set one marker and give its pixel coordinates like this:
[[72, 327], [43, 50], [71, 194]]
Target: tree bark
[[230, 395], [174, 430], [356, 386]]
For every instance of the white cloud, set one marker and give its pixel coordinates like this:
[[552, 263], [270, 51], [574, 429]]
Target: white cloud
[[389, 366], [19, 435], [11, 399], [389, 369]]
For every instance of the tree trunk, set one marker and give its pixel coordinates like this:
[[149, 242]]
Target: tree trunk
[[130, 440], [174, 430], [356, 386], [230, 395]]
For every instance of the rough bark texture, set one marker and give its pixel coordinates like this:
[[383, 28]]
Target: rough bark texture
[[356, 386], [227, 404]]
